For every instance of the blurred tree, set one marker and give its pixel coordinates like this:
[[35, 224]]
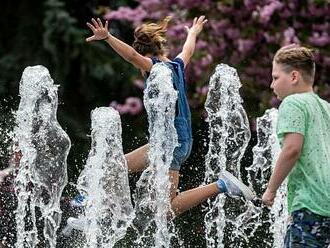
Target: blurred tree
[[244, 34], [52, 33]]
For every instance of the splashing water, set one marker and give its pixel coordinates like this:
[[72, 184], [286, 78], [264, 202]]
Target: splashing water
[[104, 182], [229, 137], [265, 154], [7, 197], [279, 212], [152, 197], [42, 173]]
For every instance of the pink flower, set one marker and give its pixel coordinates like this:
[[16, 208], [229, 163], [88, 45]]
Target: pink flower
[[324, 27], [156, 15], [219, 26], [202, 90], [245, 45], [194, 3], [223, 8], [178, 31], [268, 10], [150, 4], [125, 13], [121, 108], [250, 4], [201, 44], [218, 50], [139, 83], [290, 37], [198, 72], [206, 60], [269, 38], [233, 33], [133, 106], [320, 39], [317, 11]]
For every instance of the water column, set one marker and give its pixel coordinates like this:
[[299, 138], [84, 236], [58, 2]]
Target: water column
[[267, 138], [153, 188], [229, 137], [258, 219], [252, 222], [42, 173], [104, 182]]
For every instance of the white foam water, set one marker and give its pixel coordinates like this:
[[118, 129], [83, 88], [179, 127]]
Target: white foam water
[[229, 137], [279, 211], [258, 219], [152, 196], [42, 173], [104, 182]]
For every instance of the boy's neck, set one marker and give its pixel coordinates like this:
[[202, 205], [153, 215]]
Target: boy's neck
[[302, 88]]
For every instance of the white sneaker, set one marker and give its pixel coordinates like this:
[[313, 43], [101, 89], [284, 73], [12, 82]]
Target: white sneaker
[[234, 187], [80, 224]]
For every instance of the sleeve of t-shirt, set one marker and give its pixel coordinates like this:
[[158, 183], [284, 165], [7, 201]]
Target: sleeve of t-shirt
[[180, 62], [291, 118]]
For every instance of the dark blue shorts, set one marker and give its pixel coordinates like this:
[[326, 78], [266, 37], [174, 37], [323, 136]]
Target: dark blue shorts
[[181, 154], [308, 230]]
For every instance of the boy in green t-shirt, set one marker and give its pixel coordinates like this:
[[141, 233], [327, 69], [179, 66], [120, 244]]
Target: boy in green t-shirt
[[303, 129]]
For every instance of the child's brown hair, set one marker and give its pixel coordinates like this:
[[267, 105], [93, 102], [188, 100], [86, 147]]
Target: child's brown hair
[[150, 38], [299, 58]]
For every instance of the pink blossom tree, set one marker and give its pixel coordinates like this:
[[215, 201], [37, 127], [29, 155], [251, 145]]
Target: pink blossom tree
[[244, 34]]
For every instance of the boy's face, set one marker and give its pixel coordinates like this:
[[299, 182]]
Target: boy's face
[[282, 81]]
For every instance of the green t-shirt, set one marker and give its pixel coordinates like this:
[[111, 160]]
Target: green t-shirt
[[309, 180]]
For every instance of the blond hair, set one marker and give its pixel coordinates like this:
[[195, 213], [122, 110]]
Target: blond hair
[[150, 38], [297, 58]]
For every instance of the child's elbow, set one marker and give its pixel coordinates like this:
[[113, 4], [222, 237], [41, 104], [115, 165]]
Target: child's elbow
[[293, 152]]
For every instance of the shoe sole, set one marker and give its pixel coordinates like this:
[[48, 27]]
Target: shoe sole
[[246, 191]]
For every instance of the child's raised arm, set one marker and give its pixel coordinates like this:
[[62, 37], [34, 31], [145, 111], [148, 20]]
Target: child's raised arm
[[189, 46], [127, 52]]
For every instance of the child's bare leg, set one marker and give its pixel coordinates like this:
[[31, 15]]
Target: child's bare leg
[[184, 201], [137, 159]]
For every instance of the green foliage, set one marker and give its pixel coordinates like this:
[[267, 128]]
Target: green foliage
[[52, 33]]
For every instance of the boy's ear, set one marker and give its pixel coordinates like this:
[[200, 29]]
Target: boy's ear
[[295, 76]]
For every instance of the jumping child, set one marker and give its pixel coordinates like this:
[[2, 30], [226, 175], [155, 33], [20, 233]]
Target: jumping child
[[148, 49]]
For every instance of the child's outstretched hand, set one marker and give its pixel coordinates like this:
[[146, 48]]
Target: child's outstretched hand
[[197, 26], [100, 32]]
